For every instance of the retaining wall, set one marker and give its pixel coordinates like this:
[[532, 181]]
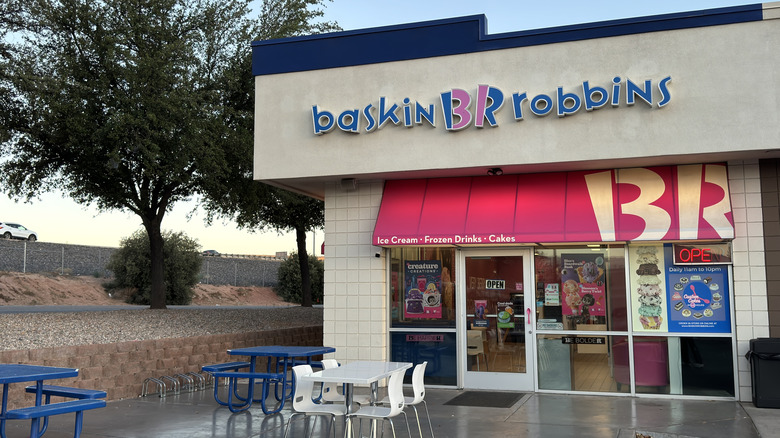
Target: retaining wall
[[120, 369]]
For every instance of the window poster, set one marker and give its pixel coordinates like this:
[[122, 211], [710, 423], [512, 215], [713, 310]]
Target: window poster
[[505, 314], [698, 297], [582, 283], [552, 296], [648, 288], [480, 310], [423, 289]]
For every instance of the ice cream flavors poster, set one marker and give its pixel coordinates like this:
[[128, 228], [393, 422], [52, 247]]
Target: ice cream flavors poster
[[648, 288], [582, 285], [698, 297], [423, 289]]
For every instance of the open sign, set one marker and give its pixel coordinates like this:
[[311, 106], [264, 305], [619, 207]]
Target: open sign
[[700, 254], [495, 284]]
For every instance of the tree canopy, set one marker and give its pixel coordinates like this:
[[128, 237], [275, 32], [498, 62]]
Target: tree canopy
[[129, 105], [252, 205]]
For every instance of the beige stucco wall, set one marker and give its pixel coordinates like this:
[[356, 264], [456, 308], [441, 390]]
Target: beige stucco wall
[[725, 87]]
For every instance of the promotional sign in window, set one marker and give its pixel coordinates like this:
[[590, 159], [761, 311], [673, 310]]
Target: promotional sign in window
[[480, 310], [677, 298], [582, 279], [505, 314], [698, 297], [423, 289], [552, 296]]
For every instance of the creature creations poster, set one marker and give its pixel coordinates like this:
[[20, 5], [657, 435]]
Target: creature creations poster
[[423, 289], [582, 284]]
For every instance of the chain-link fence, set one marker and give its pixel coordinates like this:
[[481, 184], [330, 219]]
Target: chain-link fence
[[38, 257], [240, 271], [62, 259]]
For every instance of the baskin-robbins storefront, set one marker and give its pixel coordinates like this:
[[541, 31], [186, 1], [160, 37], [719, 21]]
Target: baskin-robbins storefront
[[558, 210]]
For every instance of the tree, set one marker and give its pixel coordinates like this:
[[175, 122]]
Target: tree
[[121, 104], [253, 205], [289, 286], [10, 21], [130, 265]]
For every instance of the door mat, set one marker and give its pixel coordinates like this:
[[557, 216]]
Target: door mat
[[486, 399]]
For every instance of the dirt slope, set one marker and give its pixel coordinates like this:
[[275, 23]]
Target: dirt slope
[[38, 289]]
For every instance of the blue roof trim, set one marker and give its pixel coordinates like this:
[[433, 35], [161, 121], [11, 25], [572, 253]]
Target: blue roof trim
[[458, 36]]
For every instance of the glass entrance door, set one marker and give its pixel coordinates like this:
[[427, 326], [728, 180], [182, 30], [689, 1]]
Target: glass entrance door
[[497, 319]]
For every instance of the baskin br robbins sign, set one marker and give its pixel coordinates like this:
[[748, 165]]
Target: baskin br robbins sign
[[460, 109]]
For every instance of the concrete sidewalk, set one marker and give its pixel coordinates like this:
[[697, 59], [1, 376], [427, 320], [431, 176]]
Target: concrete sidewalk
[[196, 415]]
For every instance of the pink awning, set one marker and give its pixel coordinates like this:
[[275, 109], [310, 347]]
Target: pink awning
[[661, 203]]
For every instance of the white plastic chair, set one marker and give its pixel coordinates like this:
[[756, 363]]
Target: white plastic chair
[[418, 388], [394, 406], [330, 393], [303, 404], [476, 346]]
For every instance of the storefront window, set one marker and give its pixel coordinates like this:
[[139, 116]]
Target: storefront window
[[581, 288], [674, 303], [438, 349], [565, 364], [422, 287], [662, 365], [422, 306], [684, 366]]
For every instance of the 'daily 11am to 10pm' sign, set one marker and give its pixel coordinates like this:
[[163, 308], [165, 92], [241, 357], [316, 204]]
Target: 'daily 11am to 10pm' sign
[[662, 203]]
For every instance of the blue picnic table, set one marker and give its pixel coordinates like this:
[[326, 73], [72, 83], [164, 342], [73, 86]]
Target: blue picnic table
[[16, 373], [281, 359]]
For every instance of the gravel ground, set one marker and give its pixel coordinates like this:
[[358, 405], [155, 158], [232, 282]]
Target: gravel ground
[[23, 331]]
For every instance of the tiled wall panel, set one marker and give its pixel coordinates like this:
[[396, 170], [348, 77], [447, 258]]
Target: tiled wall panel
[[750, 268], [355, 304]]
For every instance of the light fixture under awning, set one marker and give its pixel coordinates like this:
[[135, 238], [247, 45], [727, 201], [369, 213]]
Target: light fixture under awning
[[652, 204]]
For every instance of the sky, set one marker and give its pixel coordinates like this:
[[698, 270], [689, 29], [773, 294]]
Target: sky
[[58, 219]]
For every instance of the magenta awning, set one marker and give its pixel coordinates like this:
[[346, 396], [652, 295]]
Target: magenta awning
[[688, 202]]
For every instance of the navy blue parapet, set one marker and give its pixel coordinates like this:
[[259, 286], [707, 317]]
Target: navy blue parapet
[[454, 36]]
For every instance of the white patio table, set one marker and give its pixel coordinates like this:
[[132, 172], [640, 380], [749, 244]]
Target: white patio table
[[361, 373]]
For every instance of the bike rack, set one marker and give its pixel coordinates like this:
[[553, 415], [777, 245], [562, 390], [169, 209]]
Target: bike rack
[[162, 389], [202, 381], [210, 378], [176, 386], [186, 382]]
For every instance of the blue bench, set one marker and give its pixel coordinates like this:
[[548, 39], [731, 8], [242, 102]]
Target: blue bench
[[219, 367], [64, 391], [245, 402], [228, 366], [35, 413]]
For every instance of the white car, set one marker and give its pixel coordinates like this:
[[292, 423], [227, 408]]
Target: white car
[[10, 230]]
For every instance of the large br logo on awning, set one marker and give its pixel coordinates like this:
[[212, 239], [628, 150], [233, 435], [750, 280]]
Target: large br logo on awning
[[689, 202]]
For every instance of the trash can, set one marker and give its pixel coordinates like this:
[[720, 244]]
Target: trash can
[[764, 358]]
